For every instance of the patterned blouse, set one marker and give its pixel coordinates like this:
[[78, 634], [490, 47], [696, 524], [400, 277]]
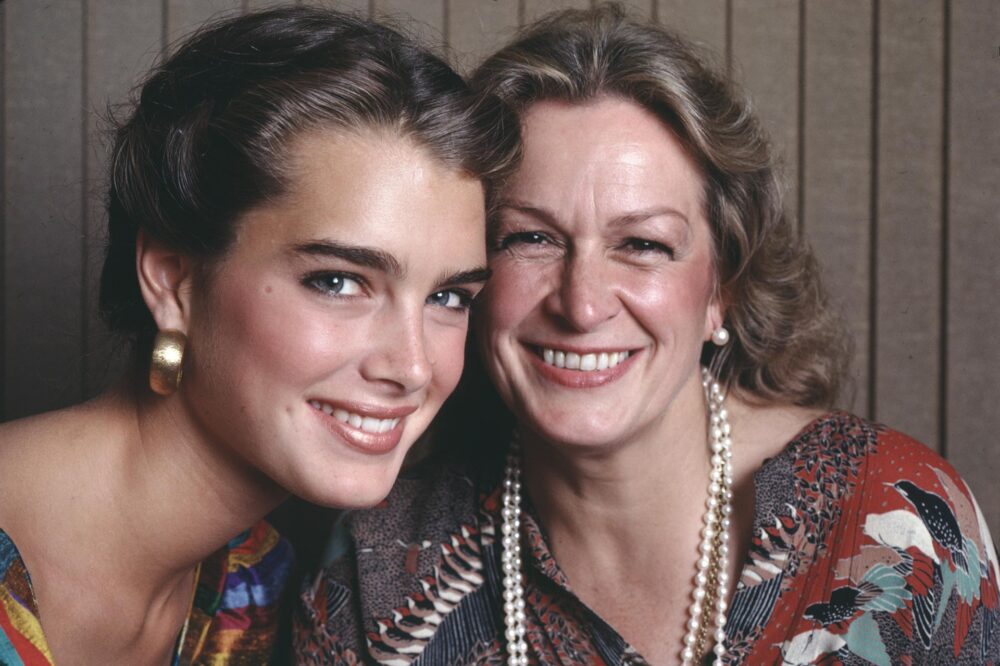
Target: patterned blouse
[[868, 549], [234, 619]]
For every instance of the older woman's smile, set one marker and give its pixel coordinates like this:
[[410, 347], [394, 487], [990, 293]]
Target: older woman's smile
[[582, 361], [581, 369]]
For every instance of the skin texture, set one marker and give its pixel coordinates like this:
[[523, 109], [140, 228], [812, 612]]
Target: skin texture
[[383, 343], [279, 321], [603, 245]]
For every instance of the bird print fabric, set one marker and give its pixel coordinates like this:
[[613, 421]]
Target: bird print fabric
[[883, 549], [868, 548]]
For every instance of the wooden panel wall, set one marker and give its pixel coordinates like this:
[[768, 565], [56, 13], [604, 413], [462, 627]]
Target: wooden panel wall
[[884, 112]]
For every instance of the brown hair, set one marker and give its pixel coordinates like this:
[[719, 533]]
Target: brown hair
[[787, 344], [208, 137]]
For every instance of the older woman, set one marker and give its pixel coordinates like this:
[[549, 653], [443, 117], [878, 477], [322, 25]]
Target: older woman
[[676, 488], [297, 222]]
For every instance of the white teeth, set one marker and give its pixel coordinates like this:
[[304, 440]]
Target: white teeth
[[583, 362], [366, 423]]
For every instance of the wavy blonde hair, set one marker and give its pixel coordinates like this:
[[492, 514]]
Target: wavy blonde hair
[[787, 344]]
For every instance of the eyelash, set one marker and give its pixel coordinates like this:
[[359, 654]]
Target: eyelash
[[321, 282], [523, 237], [464, 300], [643, 245], [635, 245]]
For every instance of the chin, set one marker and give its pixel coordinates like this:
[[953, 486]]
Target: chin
[[357, 489], [577, 431]]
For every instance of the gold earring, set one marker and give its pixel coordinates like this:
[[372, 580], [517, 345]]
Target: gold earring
[[168, 355]]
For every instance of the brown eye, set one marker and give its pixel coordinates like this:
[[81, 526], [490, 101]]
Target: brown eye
[[643, 245]]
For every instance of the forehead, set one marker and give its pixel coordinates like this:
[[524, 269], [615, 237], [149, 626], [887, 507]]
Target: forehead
[[371, 188], [610, 147]]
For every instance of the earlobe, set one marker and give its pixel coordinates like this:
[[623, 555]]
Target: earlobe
[[714, 319], [164, 278]]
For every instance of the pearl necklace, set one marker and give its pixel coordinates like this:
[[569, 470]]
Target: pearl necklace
[[711, 579]]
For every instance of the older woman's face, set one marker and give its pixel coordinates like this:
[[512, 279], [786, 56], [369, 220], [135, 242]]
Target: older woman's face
[[329, 335], [602, 289]]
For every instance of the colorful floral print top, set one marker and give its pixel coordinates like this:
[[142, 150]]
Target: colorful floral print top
[[234, 619], [868, 549]]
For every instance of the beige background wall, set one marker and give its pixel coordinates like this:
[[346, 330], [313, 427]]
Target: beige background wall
[[887, 113]]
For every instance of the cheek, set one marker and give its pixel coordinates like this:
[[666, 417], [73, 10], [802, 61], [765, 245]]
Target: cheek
[[276, 334], [672, 302], [509, 296], [446, 352]]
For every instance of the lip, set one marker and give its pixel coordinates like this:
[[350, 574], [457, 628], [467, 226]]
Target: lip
[[575, 378], [371, 443]]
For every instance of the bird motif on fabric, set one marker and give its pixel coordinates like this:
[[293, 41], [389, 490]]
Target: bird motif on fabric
[[844, 603], [939, 519]]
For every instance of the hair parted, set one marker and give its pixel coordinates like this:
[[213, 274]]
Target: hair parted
[[208, 136], [787, 345]]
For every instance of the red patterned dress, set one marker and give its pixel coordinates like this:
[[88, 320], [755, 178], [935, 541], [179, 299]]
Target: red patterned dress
[[868, 548]]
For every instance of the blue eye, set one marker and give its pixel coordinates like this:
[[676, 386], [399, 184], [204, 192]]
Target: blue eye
[[335, 284], [452, 299]]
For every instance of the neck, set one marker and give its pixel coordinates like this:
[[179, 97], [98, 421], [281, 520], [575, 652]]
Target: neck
[[611, 498], [163, 497]]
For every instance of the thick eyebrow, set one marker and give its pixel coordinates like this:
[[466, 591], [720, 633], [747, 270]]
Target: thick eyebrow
[[477, 275], [362, 256]]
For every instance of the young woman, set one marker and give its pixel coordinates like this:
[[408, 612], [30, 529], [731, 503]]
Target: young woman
[[676, 487], [296, 229]]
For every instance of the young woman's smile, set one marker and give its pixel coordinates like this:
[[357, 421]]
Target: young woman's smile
[[331, 332]]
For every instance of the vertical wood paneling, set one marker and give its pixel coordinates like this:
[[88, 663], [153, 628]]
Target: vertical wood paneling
[[362, 7], [254, 5], [765, 57], [423, 19], [478, 28], [702, 22], [837, 162], [183, 16], [642, 9], [123, 42], [889, 137], [43, 214], [910, 109], [973, 228], [3, 207], [532, 9]]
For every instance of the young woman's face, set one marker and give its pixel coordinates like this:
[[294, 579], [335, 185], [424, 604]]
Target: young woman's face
[[327, 338], [602, 288]]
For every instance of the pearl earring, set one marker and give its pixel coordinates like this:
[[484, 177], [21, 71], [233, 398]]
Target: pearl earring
[[720, 336]]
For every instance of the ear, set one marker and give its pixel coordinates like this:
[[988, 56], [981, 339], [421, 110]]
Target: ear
[[165, 276], [714, 316]]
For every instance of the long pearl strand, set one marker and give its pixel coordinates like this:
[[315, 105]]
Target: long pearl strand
[[711, 581]]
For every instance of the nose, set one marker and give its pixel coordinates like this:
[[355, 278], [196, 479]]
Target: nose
[[586, 294], [397, 353]]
